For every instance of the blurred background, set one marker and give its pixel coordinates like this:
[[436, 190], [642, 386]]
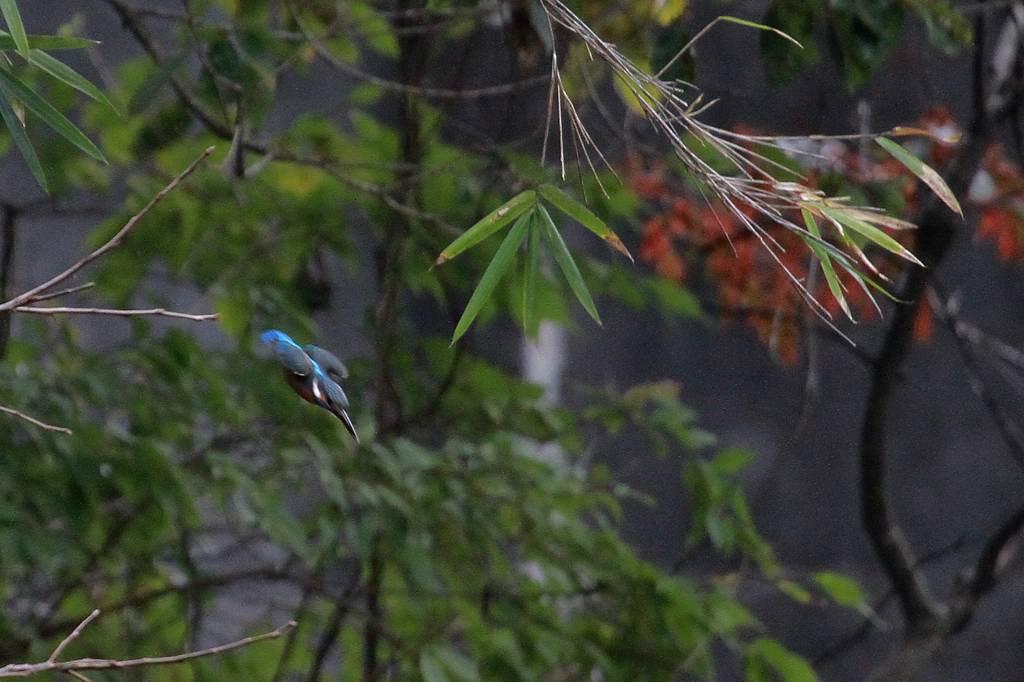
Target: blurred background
[[678, 493]]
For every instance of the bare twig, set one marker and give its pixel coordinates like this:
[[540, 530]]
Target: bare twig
[[64, 292], [410, 89], [32, 420], [150, 312], [75, 634], [110, 245], [52, 665], [945, 310]]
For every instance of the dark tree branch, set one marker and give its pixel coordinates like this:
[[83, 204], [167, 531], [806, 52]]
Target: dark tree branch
[[73, 668], [937, 229], [928, 621], [8, 234], [329, 635]]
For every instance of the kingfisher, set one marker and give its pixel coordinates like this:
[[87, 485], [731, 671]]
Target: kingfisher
[[314, 373]]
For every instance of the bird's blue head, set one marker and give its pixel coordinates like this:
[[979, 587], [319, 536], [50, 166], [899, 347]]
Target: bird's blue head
[[273, 337]]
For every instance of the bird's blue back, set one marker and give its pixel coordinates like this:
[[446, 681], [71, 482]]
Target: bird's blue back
[[308, 378], [276, 338]]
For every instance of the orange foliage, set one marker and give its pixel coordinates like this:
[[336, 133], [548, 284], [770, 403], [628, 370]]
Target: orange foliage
[[1000, 197], [683, 235]]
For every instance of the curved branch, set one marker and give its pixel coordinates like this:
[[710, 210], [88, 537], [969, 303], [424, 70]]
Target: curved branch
[[117, 312], [52, 665], [938, 227], [33, 421], [110, 245]]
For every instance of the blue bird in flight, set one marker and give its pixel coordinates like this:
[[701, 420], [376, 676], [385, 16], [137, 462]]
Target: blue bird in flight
[[312, 372]]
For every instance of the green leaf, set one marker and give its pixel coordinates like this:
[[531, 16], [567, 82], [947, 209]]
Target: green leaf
[[760, 27], [461, 667], [44, 42], [567, 264], [66, 74], [674, 299], [862, 35], [489, 224], [731, 461], [947, 28], [441, 664], [926, 173], [15, 25], [494, 272], [583, 215], [15, 89], [794, 591], [530, 286], [669, 10], [765, 653], [870, 232], [783, 60], [826, 263], [668, 42], [431, 668], [21, 140], [841, 589]]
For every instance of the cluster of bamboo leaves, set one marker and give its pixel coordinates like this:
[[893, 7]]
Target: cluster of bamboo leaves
[[17, 98], [532, 222], [854, 227]]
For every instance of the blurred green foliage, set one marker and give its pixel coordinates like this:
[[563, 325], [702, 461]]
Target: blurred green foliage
[[860, 34], [470, 554]]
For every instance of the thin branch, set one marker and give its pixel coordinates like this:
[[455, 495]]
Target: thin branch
[[842, 645], [945, 310], [151, 312], [70, 667], [32, 420], [988, 564], [64, 292], [110, 245], [423, 91], [9, 228], [201, 583], [75, 634]]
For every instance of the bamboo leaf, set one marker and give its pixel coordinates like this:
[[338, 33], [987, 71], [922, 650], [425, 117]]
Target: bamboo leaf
[[834, 285], [568, 266], [66, 74], [44, 42], [883, 219], [492, 275], [926, 173], [761, 27], [945, 137], [488, 225], [530, 286], [21, 140], [15, 25], [584, 216], [865, 229], [15, 89]]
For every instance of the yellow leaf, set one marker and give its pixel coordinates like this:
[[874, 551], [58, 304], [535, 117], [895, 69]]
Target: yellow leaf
[[667, 11]]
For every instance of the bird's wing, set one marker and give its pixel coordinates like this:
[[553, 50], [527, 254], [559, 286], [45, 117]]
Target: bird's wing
[[335, 400], [333, 392], [334, 367], [288, 353]]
